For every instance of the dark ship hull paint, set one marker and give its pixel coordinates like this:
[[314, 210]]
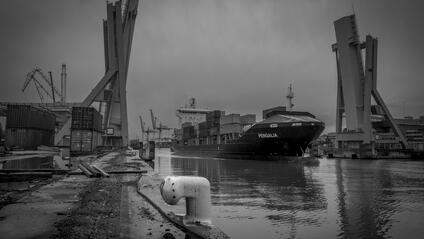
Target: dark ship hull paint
[[262, 141]]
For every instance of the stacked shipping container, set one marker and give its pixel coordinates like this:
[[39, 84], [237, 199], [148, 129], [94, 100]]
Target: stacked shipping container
[[230, 127], [213, 123], [203, 133], [218, 128], [29, 127], [248, 119], [33, 162], [86, 130], [213, 118], [188, 132], [86, 118]]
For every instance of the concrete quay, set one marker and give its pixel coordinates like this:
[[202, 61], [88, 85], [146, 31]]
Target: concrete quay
[[76, 206]]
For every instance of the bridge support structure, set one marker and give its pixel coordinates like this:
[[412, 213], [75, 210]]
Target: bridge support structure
[[355, 87], [110, 92]]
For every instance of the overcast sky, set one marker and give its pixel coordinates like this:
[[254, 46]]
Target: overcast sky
[[236, 55]]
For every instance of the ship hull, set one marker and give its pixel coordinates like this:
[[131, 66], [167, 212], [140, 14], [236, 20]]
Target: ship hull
[[261, 142]]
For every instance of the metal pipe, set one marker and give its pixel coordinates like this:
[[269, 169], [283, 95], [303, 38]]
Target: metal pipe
[[195, 190]]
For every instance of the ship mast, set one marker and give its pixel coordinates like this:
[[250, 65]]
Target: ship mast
[[290, 97]]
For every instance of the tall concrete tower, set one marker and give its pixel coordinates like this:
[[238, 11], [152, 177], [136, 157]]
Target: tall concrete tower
[[355, 86], [110, 92]]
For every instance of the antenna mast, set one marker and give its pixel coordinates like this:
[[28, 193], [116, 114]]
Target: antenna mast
[[290, 97]]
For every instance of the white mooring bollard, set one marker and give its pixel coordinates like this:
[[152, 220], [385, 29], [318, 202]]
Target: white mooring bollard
[[196, 191]]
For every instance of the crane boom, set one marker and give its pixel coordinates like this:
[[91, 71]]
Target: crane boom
[[28, 79], [159, 127], [141, 124], [38, 91], [142, 128], [31, 77], [40, 72], [51, 85], [40, 88], [153, 119]]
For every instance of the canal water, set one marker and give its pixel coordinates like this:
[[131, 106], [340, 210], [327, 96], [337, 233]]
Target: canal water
[[337, 199]]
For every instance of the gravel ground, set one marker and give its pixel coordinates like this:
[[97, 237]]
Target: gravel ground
[[96, 214], [112, 208], [11, 192]]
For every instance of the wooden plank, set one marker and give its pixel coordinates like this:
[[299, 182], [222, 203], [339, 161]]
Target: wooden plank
[[85, 171], [92, 171], [101, 171]]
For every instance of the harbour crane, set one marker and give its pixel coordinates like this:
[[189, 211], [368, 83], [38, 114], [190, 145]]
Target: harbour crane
[[147, 131], [159, 127], [39, 86]]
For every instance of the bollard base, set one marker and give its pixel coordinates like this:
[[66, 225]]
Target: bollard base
[[148, 187]]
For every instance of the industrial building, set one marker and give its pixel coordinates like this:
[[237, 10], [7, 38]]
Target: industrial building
[[387, 143]]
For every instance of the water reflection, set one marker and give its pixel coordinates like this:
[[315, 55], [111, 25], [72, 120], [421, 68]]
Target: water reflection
[[369, 197], [162, 162], [365, 209], [340, 198]]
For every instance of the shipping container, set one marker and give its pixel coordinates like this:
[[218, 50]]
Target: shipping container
[[230, 128], [36, 162], [214, 131], [230, 119], [213, 118], [186, 124], [188, 132], [203, 126], [216, 114], [213, 115], [86, 118], [66, 141], [29, 117], [84, 141], [203, 132], [28, 138], [248, 119]]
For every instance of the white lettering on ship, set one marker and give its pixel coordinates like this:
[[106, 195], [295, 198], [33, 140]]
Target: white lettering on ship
[[267, 135]]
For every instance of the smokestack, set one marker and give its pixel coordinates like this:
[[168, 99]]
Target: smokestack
[[63, 83]]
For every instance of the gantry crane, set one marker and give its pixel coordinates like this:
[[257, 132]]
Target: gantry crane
[[39, 86], [159, 127]]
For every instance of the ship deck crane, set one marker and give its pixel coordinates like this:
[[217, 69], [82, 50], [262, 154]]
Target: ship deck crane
[[39, 86]]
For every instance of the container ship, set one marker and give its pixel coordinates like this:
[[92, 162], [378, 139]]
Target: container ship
[[282, 134]]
